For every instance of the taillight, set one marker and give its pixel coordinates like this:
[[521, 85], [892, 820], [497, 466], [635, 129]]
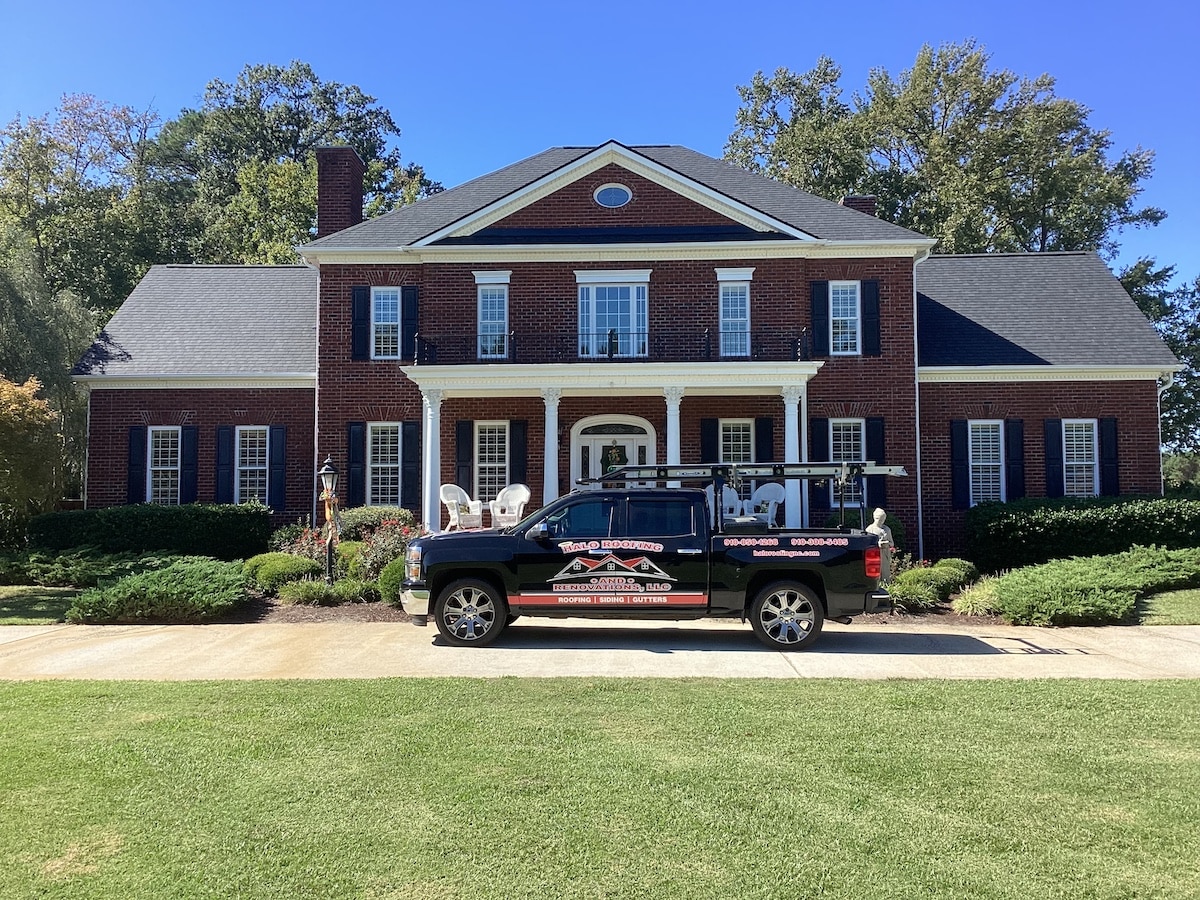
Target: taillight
[[874, 561]]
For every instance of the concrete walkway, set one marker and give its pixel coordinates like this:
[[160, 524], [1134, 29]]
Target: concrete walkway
[[557, 648]]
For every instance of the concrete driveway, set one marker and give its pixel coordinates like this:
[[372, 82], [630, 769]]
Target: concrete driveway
[[558, 648]]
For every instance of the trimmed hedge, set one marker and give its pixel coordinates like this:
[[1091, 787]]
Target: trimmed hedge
[[188, 591], [924, 587], [270, 571], [223, 531], [1029, 532]]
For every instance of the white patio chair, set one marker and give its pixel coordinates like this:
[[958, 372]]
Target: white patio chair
[[731, 503], [509, 505], [768, 495], [464, 512]]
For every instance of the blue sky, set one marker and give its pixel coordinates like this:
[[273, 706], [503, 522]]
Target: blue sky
[[475, 86]]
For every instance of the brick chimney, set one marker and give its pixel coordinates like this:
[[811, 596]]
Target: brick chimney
[[339, 189], [864, 203]]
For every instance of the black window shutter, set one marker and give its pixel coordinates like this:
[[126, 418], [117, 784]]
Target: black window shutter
[[360, 322], [518, 450], [277, 468], [356, 464], [764, 439], [820, 318], [464, 454], [224, 488], [187, 463], [408, 321], [960, 465], [410, 464], [135, 491], [1014, 459], [876, 484], [1110, 484], [710, 443], [818, 452], [1054, 458], [870, 318]]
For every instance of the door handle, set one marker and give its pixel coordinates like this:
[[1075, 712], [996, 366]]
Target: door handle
[[690, 551]]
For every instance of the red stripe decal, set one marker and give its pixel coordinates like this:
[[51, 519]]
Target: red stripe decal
[[600, 598]]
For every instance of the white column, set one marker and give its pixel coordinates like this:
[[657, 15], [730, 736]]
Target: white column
[[431, 459], [791, 452], [551, 396], [673, 396]]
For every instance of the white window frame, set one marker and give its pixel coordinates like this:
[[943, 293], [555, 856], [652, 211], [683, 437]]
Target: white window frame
[[376, 325], [853, 498], [239, 466], [491, 283], [637, 344], [1069, 464], [747, 487], [857, 319], [480, 492], [373, 467], [151, 468], [974, 463], [734, 279]]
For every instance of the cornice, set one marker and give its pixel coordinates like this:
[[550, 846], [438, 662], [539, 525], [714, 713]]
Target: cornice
[[182, 382], [995, 374]]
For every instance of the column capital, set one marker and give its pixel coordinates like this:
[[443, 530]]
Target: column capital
[[673, 395], [792, 393], [433, 397], [551, 395]]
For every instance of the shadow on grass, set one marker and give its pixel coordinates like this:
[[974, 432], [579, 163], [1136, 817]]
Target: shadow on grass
[[1170, 608], [34, 605]]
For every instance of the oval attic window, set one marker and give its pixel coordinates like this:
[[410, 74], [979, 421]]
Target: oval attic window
[[613, 196]]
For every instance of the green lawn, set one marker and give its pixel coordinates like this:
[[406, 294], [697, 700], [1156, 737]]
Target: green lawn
[[32, 605], [1172, 608], [600, 788]]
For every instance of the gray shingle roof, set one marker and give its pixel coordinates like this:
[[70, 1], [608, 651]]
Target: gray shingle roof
[[1023, 309], [811, 214], [211, 320]]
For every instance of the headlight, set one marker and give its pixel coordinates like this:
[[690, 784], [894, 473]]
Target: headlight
[[412, 563]]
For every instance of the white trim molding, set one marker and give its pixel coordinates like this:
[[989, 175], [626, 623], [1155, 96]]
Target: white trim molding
[[183, 382], [746, 274], [985, 374], [498, 277], [612, 276]]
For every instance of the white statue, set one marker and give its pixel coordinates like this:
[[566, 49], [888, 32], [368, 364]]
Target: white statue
[[886, 543]]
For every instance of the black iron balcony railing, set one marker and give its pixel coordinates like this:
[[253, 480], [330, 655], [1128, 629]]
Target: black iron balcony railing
[[657, 345]]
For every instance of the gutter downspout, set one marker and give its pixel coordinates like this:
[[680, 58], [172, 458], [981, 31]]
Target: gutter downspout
[[917, 410]]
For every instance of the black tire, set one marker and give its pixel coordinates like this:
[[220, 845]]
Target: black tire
[[470, 613], [787, 615]]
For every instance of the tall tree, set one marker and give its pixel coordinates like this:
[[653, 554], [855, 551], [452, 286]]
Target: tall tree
[[979, 158]]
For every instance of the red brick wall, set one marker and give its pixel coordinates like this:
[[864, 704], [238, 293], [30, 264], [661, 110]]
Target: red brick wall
[[339, 189], [112, 412], [1134, 404]]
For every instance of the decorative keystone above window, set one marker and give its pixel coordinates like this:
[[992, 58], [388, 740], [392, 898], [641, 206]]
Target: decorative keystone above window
[[612, 196]]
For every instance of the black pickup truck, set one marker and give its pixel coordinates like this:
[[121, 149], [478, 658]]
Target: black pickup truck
[[649, 553]]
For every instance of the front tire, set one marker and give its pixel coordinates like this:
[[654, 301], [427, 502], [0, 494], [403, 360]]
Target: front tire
[[787, 615], [470, 613]]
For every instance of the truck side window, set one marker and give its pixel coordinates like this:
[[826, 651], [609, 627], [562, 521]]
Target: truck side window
[[661, 517], [589, 518]]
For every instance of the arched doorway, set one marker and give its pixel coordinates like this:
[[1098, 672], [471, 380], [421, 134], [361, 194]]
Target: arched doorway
[[599, 443]]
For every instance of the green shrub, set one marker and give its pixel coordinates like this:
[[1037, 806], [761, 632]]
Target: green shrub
[[854, 520], [82, 567], [307, 592], [359, 521], [390, 580], [978, 599], [912, 595], [386, 543], [1099, 590], [222, 531], [1027, 532], [922, 587], [271, 571], [188, 591], [356, 590], [964, 569], [349, 558], [282, 538]]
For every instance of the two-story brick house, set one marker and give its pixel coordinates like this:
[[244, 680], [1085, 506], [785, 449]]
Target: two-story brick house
[[591, 305]]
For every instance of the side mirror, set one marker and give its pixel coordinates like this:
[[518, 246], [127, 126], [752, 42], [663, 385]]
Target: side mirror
[[539, 532]]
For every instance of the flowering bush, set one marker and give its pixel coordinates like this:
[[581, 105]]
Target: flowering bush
[[387, 542]]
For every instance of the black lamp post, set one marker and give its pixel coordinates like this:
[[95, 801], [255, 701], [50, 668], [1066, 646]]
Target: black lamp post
[[328, 476]]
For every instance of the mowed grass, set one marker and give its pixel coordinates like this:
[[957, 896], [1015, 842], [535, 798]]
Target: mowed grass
[[33, 605], [1172, 608], [600, 788]]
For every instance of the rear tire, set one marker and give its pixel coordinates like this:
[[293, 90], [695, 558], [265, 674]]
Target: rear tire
[[470, 613], [787, 615]]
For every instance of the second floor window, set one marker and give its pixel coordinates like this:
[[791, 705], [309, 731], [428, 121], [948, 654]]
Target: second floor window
[[385, 323], [735, 319], [986, 453], [251, 482], [493, 321], [844, 318], [613, 320]]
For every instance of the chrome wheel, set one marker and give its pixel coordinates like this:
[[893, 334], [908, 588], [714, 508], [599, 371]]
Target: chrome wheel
[[471, 613], [787, 616]]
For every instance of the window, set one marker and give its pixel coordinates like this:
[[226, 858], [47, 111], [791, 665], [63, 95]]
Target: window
[[986, 455], [612, 196], [493, 321], [162, 475], [491, 459], [844, 319], [737, 446], [613, 316], [251, 482], [383, 464], [847, 443], [592, 517], [660, 518], [735, 310], [1081, 474], [385, 323]]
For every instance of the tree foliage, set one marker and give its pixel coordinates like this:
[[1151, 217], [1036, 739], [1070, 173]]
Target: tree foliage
[[28, 456], [979, 158]]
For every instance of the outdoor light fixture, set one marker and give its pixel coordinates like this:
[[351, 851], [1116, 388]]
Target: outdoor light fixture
[[328, 476]]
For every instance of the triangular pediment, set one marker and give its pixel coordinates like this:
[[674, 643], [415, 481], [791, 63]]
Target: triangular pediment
[[560, 207]]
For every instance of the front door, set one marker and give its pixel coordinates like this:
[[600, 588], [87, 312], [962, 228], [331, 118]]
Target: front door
[[602, 448]]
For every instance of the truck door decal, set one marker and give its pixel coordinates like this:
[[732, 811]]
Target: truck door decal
[[610, 581]]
